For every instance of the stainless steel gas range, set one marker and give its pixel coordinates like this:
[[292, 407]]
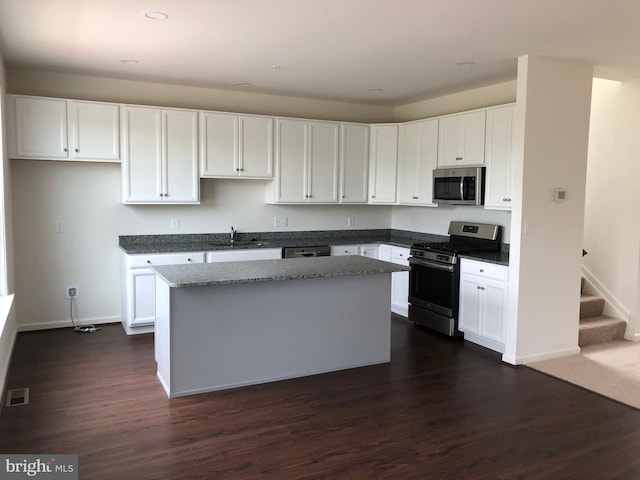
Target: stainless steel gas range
[[435, 274]]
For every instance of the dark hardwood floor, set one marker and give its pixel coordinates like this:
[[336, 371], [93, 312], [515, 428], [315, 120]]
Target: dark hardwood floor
[[442, 409]]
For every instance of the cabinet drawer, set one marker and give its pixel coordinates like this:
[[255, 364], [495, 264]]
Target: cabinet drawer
[[137, 261], [370, 251], [339, 250], [400, 255], [484, 270], [244, 254]]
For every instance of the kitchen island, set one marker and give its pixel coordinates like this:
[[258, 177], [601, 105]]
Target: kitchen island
[[226, 325]]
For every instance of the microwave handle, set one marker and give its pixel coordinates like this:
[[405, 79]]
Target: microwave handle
[[462, 188]]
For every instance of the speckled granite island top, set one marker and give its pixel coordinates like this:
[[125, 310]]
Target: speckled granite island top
[[251, 271]]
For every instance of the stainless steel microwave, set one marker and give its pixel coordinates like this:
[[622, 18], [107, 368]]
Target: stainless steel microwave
[[459, 186]]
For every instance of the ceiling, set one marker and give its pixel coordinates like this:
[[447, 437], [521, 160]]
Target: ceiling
[[381, 52]]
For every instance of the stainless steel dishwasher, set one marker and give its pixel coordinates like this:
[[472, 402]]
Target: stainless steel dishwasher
[[302, 252]]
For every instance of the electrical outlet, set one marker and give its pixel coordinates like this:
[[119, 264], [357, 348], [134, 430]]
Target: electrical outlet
[[351, 221], [281, 221], [175, 224], [72, 291], [59, 227]]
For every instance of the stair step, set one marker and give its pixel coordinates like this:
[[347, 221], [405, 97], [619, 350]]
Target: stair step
[[600, 329], [591, 306]]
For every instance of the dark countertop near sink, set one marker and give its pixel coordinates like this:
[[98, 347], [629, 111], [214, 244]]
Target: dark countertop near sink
[[144, 244]]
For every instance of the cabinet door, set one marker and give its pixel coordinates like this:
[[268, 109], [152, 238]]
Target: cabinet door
[[494, 310], [218, 145], [180, 162], [322, 178], [41, 128], [256, 147], [143, 297], [383, 160], [498, 158], [409, 163], [141, 155], [400, 282], [461, 139], [291, 158], [469, 307], [94, 130], [417, 158], [354, 163]]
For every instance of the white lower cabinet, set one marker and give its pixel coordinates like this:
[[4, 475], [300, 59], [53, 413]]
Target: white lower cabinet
[[483, 303], [399, 280], [139, 287]]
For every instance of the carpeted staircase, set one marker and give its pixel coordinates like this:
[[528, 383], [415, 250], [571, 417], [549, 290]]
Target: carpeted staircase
[[596, 327]]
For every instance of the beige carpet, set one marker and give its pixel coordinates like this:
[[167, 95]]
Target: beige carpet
[[611, 369]]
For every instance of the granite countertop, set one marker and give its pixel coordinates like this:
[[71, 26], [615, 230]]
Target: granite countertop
[[144, 244], [140, 244], [251, 271]]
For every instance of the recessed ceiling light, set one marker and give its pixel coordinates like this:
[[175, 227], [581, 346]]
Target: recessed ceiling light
[[243, 84], [129, 61], [465, 63], [156, 15], [374, 90]]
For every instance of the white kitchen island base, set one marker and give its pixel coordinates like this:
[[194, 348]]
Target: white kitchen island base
[[217, 337]]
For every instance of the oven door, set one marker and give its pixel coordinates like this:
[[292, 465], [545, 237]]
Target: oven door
[[434, 286]]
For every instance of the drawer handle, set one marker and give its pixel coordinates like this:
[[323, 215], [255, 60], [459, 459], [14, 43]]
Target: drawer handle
[[481, 270], [506, 199], [149, 261], [415, 198], [458, 158], [188, 259]]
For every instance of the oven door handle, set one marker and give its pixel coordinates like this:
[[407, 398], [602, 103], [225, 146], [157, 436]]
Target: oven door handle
[[427, 264]]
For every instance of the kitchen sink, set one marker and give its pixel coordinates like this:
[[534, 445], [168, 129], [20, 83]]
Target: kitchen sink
[[241, 244]]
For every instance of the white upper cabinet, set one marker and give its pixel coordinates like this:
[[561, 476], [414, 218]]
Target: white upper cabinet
[[417, 158], [59, 129], [160, 155], [383, 161], [461, 139], [306, 166], [324, 141], [498, 158], [236, 146], [354, 162]]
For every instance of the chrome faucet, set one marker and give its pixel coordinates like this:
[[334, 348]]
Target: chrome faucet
[[233, 234]]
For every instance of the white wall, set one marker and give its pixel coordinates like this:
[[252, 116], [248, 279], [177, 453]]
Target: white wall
[[551, 127], [498, 94], [86, 196], [436, 220], [612, 228], [8, 326], [50, 84]]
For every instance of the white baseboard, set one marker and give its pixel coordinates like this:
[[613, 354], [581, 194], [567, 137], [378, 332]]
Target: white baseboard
[[27, 327], [540, 356]]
